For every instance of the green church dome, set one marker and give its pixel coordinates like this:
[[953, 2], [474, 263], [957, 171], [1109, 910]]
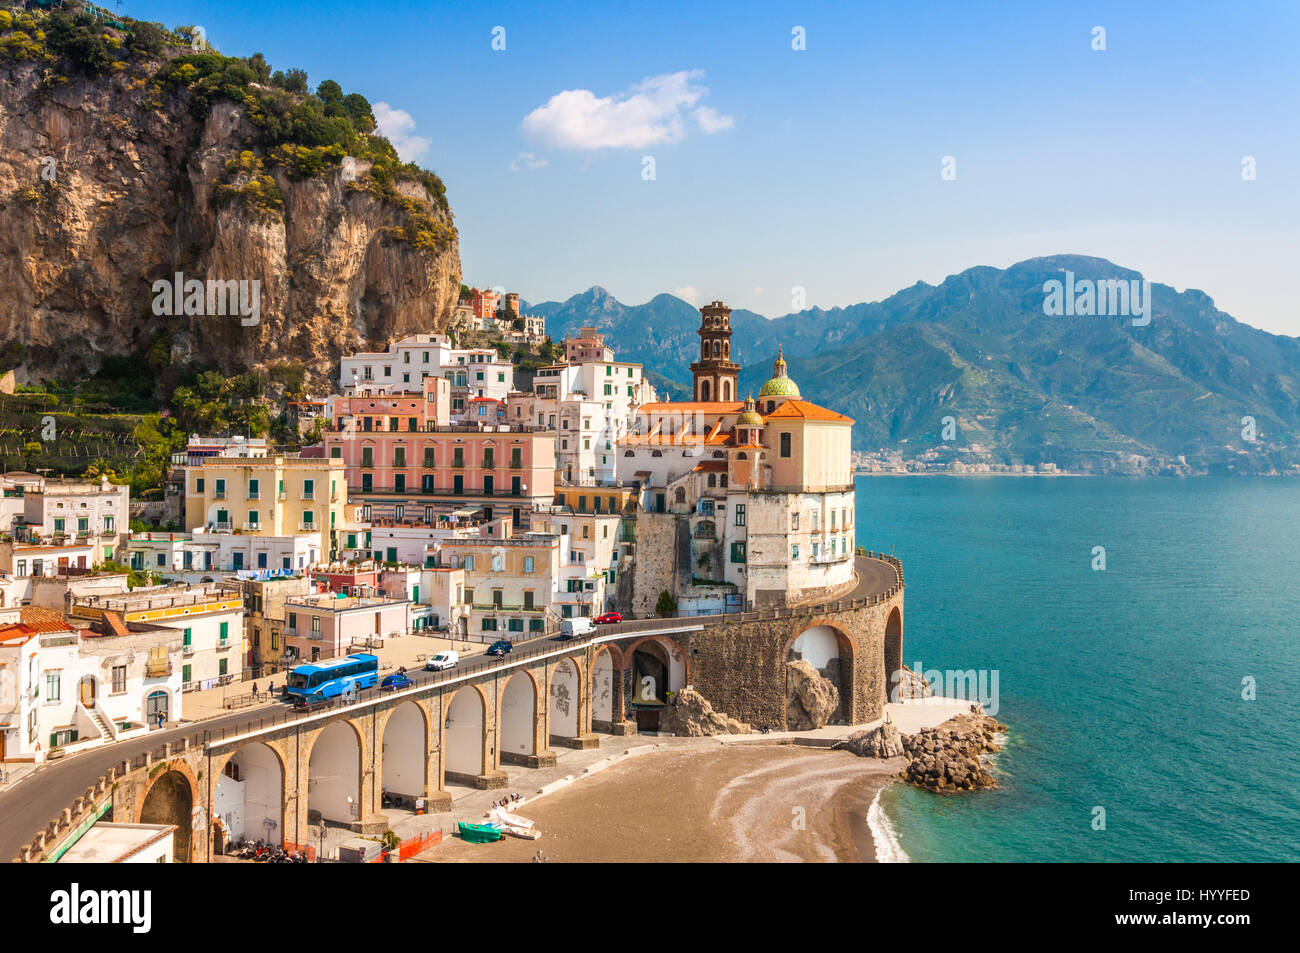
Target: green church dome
[[780, 385]]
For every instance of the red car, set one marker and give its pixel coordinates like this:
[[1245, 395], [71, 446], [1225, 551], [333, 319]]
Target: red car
[[609, 617]]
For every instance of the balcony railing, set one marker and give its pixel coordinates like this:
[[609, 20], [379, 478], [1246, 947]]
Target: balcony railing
[[252, 524], [226, 525], [308, 527], [254, 494], [308, 497], [219, 494], [223, 643]]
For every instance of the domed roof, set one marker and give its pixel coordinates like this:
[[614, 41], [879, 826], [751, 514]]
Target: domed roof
[[751, 417], [780, 385]]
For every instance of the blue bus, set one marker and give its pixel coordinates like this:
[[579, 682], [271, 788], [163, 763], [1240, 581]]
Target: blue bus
[[331, 679]]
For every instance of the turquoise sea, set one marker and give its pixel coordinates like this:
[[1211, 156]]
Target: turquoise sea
[[1122, 688]]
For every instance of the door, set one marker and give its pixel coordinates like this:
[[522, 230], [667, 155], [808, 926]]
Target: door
[[154, 705], [88, 691], [487, 486]]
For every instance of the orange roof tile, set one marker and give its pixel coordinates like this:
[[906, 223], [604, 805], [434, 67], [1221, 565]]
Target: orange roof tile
[[44, 620], [16, 634], [802, 408]]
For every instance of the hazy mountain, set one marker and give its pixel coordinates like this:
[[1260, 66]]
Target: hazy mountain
[[1081, 391]]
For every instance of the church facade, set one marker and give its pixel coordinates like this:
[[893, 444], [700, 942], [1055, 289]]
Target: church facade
[[742, 504]]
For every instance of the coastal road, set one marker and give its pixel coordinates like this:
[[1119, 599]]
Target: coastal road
[[28, 806]]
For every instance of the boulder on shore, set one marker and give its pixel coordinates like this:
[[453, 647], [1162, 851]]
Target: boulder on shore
[[690, 715], [949, 759], [812, 698], [883, 741]]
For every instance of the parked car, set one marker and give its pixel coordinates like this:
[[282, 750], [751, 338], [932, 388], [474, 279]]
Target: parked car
[[578, 625], [392, 683], [609, 617], [441, 661], [310, 703], [500, 647]]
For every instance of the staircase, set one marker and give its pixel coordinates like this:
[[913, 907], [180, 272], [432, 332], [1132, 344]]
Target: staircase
[[105, 730]]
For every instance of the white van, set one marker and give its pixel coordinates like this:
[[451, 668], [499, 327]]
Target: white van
[[442, 661], [578, 625]]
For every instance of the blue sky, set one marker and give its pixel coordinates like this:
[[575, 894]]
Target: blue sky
[[820, 168]]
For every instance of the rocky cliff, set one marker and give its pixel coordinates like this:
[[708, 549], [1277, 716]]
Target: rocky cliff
[[110, 183]]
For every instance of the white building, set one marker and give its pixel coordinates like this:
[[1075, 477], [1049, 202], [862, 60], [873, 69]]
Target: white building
[[590, 406], [84, 522], [71, 688], [473, 372], [114, 843], [208, 619], [190, 556]]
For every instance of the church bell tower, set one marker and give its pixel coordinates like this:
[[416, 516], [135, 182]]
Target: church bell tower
[[715, 374]]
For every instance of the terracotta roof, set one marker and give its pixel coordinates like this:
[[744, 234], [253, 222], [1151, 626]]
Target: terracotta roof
[[44, 620], [803, 409], [16, 634], [113, 624]]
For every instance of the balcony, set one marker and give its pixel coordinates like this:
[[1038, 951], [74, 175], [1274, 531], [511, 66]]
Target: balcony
[[254, 494], [308, 497], [280, 496], [187, 651], [308, 527], [219, 494], [252, 525], [224, 643], [158, 669], [224, 526]]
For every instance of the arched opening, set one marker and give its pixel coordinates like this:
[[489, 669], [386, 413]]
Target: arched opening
[[334, 775], [828, 651], [405, 753], [705, 391], [564, 700], [157, 703], [658, 667], [893, 650], [464, 733], [89, 691], [518, 717], [249, 796], [170, 801], [726, 391], [602, 688]]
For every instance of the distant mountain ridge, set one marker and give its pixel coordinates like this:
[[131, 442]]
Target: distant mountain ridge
[[1092, 393]]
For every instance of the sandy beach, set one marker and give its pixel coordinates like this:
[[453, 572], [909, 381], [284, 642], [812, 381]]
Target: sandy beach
[[737, 803]]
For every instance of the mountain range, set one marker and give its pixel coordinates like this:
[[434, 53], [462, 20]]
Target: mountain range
[[1191, 390]]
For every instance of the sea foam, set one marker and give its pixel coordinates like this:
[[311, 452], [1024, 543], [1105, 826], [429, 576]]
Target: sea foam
[[888, 849]]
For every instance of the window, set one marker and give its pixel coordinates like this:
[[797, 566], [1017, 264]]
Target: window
[[489, 625], [498, 563], [53, 687], [58, 525], [737, 552], [225, 631], [308, 491], [428, 456], [528, 564], [794, 522], [221, 487], [785, 444], [794, 552], [119, 679], [198, 485], [253, 490], [189, 633], [469, 564], [221, 666], [399, 456], [740, 514]]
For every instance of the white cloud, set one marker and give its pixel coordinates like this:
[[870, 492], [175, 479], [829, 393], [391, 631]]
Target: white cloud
[[398, 126], [526, 160], [653, 112], [711, 121], [688, 293]]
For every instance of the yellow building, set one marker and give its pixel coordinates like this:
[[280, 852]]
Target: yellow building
[[267, 496]]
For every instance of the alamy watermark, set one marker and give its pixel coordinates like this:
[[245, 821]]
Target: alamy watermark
[[77, 906], [181, 296], [1109, 296], [954, 684]]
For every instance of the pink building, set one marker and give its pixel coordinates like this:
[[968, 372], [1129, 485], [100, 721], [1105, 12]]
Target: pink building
[[348, 582], [330, 625]]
